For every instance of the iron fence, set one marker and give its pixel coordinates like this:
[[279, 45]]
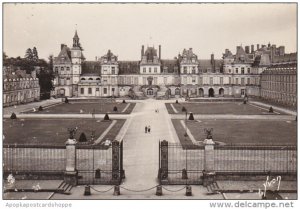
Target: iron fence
[[34, 158], [249, 158], [186, 165], [100, 164]]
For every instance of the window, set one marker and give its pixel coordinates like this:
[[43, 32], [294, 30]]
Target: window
[[97, 89], [229, 70], [105, 90], [200, 80], [90, 79], [81, 90], [149, 69], [211, 81], [243, 71], [90, 90], [248, 70], [248, 81], [56, 70], [155, 69], [236, 81], [229, 80], [243, 81], [236, 70], [193, 79], [194, 70], [113, 89], [68, 68], [144, 70], [221, 80], [113, 71], [61, 68], [83, 79], [185, 70]]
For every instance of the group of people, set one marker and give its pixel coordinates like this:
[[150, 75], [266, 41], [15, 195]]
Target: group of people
[[147, 129], [156, 110]]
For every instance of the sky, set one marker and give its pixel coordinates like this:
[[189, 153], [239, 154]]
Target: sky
[[124, 28]]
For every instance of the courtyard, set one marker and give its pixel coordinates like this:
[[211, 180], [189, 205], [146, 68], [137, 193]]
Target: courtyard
[[255, 132], [55, 131], [86, 108], [235, 108]]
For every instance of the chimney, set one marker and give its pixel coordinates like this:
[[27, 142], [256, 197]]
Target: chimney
[[247, 49], [252, 48], [212, 58], [281, 50], [142, 52], [257, 47], [159, 51], [62, 46]]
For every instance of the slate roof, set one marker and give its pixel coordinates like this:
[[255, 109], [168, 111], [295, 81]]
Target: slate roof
[[64, 56], [292, 57], [207, 64], [241, 56], [129, 67], [91, 67], [170, 65]]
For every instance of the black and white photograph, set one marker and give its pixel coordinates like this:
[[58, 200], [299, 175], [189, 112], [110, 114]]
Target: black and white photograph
[[150, 101]]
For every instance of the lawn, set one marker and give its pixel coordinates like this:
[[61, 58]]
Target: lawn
[[86, 108], [54, 131], [266, 132], [235, 108]]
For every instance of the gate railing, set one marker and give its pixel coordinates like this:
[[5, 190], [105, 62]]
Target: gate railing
[[201, 164], [75, 163]]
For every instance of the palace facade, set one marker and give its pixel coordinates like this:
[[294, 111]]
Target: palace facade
[[235, 75], [19, 87]]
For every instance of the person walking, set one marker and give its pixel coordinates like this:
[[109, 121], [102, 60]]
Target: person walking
[[146, 129], [149, 129]]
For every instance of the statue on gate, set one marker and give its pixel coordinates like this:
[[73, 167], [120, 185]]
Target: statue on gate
[[72, 132], [208, 133]]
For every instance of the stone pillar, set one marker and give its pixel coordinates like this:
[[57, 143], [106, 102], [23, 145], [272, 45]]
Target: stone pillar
[[209, 161], [116, 162], [70, 176]]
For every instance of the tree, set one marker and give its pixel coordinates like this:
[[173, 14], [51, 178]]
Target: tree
[[45, 80], [29, 55], [35, 56], [82, 137]]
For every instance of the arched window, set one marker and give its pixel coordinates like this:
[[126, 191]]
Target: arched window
[[98, 79], [83, 79], [90, 79]]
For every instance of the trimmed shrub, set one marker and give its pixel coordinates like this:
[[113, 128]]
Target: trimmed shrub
[[106, 117], [123, 101], [13, 116], [191, 117], [115, 109], [183, 109], [271, 110], [176, 101], [82, 137], [40, 108]]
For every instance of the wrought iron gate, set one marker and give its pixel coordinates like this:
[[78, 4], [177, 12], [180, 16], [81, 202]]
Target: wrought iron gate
[[100, 164]]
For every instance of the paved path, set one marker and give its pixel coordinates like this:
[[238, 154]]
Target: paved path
[[20, 108], [140, 148]]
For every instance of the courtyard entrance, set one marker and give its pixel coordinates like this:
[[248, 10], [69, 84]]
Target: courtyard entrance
[[150, 92], [211, 92]]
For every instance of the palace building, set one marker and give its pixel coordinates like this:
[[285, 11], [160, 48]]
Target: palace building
[[235, 75]]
